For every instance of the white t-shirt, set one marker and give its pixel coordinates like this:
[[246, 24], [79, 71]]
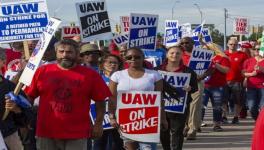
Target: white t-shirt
[[144, 83]]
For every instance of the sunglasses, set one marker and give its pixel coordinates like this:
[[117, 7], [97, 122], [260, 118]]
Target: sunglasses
[[112, 62], [133, 56], [257, 49]]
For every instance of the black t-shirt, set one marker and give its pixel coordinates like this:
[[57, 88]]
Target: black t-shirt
[[13, 121]]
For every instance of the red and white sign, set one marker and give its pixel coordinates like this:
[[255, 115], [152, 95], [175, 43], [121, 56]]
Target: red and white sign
[[69, 32], [124, 21], [241, 26], [138, 114]]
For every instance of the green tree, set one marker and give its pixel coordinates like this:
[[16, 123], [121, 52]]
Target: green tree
[[217, 37], [254, 36]]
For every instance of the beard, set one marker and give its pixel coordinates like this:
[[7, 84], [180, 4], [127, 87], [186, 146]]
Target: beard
[[66, 62]]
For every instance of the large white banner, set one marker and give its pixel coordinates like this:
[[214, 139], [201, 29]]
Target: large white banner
[[138, 114], [22, 20], [94, 21], [39, 51]]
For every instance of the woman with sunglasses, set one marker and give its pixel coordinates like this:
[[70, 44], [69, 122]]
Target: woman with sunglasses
[[173, 137], [110, 139], [253, 70], [135, 78]]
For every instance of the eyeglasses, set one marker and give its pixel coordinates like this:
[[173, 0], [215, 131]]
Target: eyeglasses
[[133, 56], [112, 62]]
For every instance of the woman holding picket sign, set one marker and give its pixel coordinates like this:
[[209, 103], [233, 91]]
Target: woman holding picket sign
[[135, 78], [177, 121], [110, 138]]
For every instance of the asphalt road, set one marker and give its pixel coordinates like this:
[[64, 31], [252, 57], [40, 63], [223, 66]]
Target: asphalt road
[[233, 137]]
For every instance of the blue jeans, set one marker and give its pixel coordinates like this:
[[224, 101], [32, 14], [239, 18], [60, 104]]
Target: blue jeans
[[216, 96], [255, 99]]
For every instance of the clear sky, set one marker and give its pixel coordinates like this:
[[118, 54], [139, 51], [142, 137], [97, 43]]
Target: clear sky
[[184, 10]]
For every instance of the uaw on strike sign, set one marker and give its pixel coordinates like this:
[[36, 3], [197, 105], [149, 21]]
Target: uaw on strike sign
[[143, 31], [200, 60], [241, 26], [179, 81], [23, 20], [138, 114], [94, 21]]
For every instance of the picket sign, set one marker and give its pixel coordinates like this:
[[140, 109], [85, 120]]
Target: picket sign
[[94, 21], [179, 81], [200, 60], [22, 20], [36, 57], [138, 115], [143, 31]]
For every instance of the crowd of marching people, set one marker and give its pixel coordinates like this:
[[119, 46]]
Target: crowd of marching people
[[74, 73]]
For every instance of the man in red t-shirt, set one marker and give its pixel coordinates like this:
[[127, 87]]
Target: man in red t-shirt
[[214, 88], [253, 70], [234, 77], [65, 90]]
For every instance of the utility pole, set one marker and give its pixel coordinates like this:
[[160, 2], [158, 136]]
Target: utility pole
[[172, 9], [201, 13], [225, 10]]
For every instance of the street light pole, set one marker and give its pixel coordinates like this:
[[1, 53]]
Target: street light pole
[[225, 10], [172, 9], [201, 13]]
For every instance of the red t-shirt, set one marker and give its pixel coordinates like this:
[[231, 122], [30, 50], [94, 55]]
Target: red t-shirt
[[258, 136], [255, 81], [218, 79], [236, 64], [186, 58], [65, 97]]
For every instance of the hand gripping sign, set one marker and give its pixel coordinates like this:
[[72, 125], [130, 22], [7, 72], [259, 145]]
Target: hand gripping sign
[[179, 81], [200, 60], [106, 121], [138, 114]]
